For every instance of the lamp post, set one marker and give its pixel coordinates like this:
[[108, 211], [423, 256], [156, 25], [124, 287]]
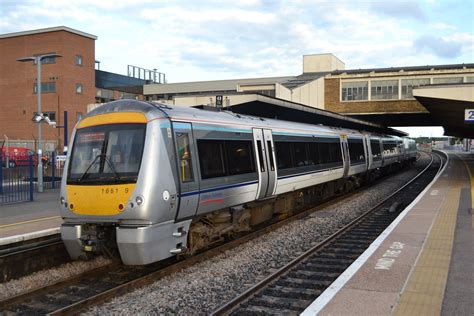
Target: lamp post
[[39, 117]]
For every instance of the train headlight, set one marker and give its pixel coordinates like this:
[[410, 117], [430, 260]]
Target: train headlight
[[139, 200], [62, 200]]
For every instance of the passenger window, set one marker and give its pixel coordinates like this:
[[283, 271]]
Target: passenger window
[[270, 153], [283, 155], [300, 154], [184, 153], [356, 150], [260, 156], [239, 156], [211, 158]]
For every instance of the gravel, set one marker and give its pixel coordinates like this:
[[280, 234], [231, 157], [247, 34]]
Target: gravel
[[207, 285], [46, 277]]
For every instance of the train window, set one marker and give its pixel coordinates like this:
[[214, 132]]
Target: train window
[[324, 153], [299, 154], [270, 153], [313, 153], [260, 155], [375, 148], [283, 155], [335, 153], [211, 158], [184, 153], [390, 148], [356, 150], [240, 156]]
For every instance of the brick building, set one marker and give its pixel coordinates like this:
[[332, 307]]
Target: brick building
[[68, 82]]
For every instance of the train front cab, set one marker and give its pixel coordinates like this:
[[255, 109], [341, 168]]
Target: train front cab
[[110, 198]]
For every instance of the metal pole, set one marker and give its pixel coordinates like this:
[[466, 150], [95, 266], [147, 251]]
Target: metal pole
[[65, 150], [53, 169], [40, 151], [30, 165]]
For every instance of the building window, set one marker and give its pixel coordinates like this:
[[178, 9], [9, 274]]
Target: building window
[[447, 80], [357, 90], [79, 88], [79, 60], [469, 79], [384, 90], [50, 115], [409, 84], [46, 87]]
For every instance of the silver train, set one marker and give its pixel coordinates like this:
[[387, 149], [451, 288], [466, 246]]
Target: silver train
[[153, 181]]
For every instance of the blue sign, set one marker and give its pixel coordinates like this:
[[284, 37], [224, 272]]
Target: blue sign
[[469, 116]]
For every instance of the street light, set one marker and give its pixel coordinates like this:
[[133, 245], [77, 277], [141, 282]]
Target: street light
[[38, 60]]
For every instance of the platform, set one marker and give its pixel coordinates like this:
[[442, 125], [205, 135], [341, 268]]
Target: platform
[[423, 262], [27, 220]]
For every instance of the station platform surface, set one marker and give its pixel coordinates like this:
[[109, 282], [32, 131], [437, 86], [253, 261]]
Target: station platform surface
[[423, 263], [26, 220]]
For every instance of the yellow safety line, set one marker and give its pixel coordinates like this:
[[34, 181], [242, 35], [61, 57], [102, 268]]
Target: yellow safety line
[[472, 190], [31, 221], [424, 291]]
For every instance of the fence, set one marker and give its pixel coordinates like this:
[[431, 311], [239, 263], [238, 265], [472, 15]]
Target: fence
[[19, 183], [16, 184]]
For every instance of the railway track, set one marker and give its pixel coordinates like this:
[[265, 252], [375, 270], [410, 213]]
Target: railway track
[[292, 288], [96, 286], [25, 257]]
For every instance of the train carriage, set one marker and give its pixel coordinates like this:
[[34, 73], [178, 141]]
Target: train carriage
[[154, 181]]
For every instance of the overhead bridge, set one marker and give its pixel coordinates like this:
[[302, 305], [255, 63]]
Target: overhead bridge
[[446, 105]]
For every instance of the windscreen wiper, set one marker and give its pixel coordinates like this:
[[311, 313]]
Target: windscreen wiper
[[112, 167], [87, 170]]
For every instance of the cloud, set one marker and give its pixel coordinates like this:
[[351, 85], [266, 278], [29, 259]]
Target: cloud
[[438, 46], [214, 39], [399, 9]]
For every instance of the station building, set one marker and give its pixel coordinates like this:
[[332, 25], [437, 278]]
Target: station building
[[385, 96], [69, 84]]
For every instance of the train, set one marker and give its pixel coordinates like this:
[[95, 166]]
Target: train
[[147, 181]]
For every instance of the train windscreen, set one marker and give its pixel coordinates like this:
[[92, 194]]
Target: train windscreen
[[106, 154]]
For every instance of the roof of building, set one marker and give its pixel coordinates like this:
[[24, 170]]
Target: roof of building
[[402, 69], [303, 79], [48, 30]]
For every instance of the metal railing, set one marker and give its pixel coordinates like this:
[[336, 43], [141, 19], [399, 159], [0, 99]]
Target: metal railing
[[18, 183]]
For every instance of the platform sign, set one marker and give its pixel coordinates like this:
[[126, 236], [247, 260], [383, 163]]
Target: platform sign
[[469, 116]]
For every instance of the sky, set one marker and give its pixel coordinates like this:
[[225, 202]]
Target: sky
[[215, 40]]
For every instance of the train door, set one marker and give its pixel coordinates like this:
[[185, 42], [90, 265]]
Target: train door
[[367, 151], [188, 190], [265, 153], [345, 155]]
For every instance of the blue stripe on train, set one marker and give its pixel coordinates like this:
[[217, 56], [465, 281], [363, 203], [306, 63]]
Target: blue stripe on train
[[218, 188]]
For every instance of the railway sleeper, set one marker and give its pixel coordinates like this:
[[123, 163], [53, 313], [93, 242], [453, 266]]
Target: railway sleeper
[[261, 310], [293, 292], [329, 261], [328, 267], [279, 302], [313, 275], [303, 282]]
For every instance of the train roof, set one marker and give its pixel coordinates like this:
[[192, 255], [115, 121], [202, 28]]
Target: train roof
[[155, 110]]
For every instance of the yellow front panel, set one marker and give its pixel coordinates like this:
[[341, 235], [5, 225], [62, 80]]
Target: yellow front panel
[[98, 199], [113, 118]]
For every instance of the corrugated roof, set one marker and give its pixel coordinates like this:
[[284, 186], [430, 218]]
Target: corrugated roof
[[407, 68], [303, 79]]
